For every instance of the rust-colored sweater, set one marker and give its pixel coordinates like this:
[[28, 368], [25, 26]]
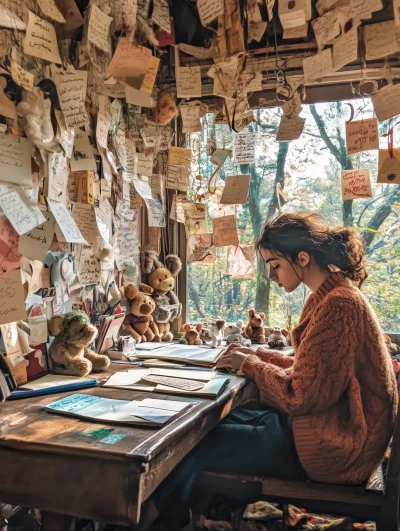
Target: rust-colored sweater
[[339, 390]]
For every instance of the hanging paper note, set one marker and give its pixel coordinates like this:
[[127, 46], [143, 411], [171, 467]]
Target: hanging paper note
[[362, 135], [209, 10], [67, 135], [15, 159], [190, 115], [50, 9], [135, 200], [17, 206], [177, 212], [12, 300], [35, 243], [83, 157], [177, 178], [66, 223], [144, 163], [345, 49], [10, 258], [244, 148], [41, 40], [125, 15], [161, 15], [317, 66], [219, 156], [150, 76], [389, 167], [99, 29], [386, 102], [89, 267], [299, 32], [188, 82], [71, 89], [129, 61], [85, 218], [225, 231], [104, 216], [201, 249], [103, 121], [241, 261], [22, 77], [195, 218], [290, 128], [381, 40], [356, 184], [58, 174], [291, 14], [326, 28], [142, 186], [256, 31], [179, 156], [236, 190], [126, 247], [156, 205]]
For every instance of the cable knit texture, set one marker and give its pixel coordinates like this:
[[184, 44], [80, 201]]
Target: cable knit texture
[[339, 390]]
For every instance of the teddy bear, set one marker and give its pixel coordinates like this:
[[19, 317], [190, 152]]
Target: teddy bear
[[192, 334], [217, 328], [255, 328], [392, 347], [233, 334], [139, 321], [162, 279], [277, 338], [69, 352]]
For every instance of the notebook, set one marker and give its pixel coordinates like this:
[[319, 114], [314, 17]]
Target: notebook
[[203, 355], [52, 383]]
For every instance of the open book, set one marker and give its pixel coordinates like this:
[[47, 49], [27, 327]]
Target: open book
[[194, 354]]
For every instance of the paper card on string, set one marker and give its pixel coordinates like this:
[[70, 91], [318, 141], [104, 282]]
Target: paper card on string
[[381, 40], [177, 178], [124, 211], [195, 218], [135, 200], [85, 217], [17, 206], [224, 210], [190, 115], [156, 205], [126, 245], [41, 40], [104, 216], [67, 135], [236, 190], [299, 32], [89, 267], [389, 167], [144, 163], [326, 28], [35, 243], [219, 156], [244, 148], [177, 212], [12, 299], [103, 121], [66, 223], [209, 10], [150, 76], [50, 9], [386, 102], [325, 5], [345, 49], [58, 174], [179, 156], [22, 77], [10, 258], [142, 186], [188, 82], [160, 15], [124, 13], [356, 184], [317, 66], [362, 135], [99, 29], [129, 61], [291, 14], [241, 261], [363, 9], [225, 231], [15, 159], [290, 128], [83, 156], [256, 31], [201, 249]]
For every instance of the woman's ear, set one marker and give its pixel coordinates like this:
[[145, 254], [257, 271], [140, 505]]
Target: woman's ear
[[303, 259]]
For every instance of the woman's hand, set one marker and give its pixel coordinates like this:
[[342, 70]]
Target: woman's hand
[[233, 358], [238, 348]]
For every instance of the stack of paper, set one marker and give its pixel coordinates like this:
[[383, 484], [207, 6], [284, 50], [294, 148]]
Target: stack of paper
[[109, 326], [203, 355]]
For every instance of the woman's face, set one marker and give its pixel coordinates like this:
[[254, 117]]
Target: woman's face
[[287, 274]]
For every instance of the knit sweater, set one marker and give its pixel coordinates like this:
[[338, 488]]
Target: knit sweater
[[339, 390]]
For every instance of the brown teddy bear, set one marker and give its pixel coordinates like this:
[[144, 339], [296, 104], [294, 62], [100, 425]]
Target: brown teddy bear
[[139, 322], [69, 353], [192, 334], [162, 279], [277, 338], [255, 328]]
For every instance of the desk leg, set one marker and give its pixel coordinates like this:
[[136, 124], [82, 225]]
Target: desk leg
[[57, 522]]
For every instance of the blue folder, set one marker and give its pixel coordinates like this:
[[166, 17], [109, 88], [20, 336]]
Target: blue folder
[[27, 393]]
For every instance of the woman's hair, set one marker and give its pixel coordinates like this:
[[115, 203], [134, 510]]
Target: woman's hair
[[342, 248]]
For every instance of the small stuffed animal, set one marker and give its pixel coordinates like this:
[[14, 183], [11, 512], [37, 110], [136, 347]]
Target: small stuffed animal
[[69, 352], [166, 108], [192, 334], [162, 279], [217, 332], [277, 339], [233, 334], [255, 329], [392, 347], [139, 322]]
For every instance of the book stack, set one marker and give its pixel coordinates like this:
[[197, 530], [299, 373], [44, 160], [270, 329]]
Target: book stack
[[108, 330]]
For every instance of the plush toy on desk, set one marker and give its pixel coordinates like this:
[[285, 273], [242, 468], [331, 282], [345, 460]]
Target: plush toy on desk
[[277, 338], [139, 322], [192, 334], [255, 328], [162, 279], [233, 334], [217, 332], [69, 352]]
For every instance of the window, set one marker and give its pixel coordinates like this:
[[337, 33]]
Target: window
[[309, 171]]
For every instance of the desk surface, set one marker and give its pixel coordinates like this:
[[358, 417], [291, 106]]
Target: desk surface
[[51, 462]]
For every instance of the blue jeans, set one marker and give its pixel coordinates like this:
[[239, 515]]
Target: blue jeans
[[246, 442]]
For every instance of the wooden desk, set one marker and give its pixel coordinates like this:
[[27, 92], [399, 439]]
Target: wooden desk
[[47, 461]]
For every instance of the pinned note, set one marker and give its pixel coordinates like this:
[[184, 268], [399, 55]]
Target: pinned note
[[179, 156], [129, 61], [225, 231], [99, 29], [240, 262], [291, 13], [89, 267], [317, 66], [142, 186], [345, 49], [177, 212], [236, 190], [66, 223], [356, 184], [362, 135], [85, 218], [103, 121], [256, 31], [389, 167], [244, 148], [188, 82], [386, 102], [21, 76], [12, 300], [17, 206], [144, 163], [67, 135], [177, 178], [35, 243], [209, 10], [195, 218], [326, 28], [290, 128], [10, 258], [41, 40], [50, 9], [71, 89], [15, 159], [104, 215], [58, 173], [83, 157], [126, 246], [381, 40], [135, 200], [161, 15], [190, 115], [150, 76], [201, 249], [156, 205]]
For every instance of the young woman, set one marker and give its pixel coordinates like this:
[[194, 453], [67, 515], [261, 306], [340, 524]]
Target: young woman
[[328, 413]]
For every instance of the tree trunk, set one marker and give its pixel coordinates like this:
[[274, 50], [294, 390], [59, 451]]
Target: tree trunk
[[194, 296], [279, 177], [379, 217]]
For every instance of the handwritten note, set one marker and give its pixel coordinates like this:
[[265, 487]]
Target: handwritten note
[[67, 135], [236, 190], [85, 218], [15, 160], [17, 206], [9, 19], [83, 157], [326, 28], [156, 205], [201, 249], [99, 29], [177, 212], [58, 173], [240, 262], [35, 243], [142, 186], [10, 258], [71, 89], [225, 231], [290, 128], [89, 267], [219, 156], [41, 39], [124, 13], [325, 5], [177, 178], [389, 167], [190, 115], [129, 61], [179, 156], [381, 40], [150, 76], [345, 49], [362, 9], [244, 148], [123, 209], [103, 121], [209, 10], [256, 31], [21, 76], [317, 66], [144, 163], [12, 300], [291, 14], [126, 245], [50, 9], [362, 135], [299, 32], [356, 184], [188, 82], [104, 215], [160, 15], [66, 223], [386, 102], [195, 218]]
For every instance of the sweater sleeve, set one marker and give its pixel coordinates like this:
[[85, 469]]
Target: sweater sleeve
[[274, 358], [322, 364]]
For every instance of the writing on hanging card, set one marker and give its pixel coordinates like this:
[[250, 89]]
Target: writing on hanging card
[[18, 207], [225, 231], [219, 156], [362, 135], [144, 163], [15, 159], [188, 82], [177, 212], [160, 15], [125, 15], [290, 128], [356, 184], [89, 267], [142, 186], [85, 217], [66, 223], [299, 32], [36, 242], [345, 49], [244, 148], [99, 29], [201, 249], [386, 102], [10, 258], [291, 14], [195, 218], [41, 40], [381, 40], [50, 9], [103, 121], [389, 167], [12, 299], [209, 10], [83, 156], [150, 76], [177, 178], [22, 77], [179, 156], [71, 89], [326, 28], [236, 190], [129, 61], [190, 115], [317, 66]]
